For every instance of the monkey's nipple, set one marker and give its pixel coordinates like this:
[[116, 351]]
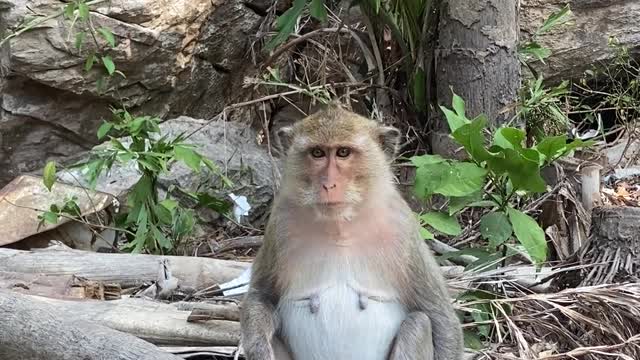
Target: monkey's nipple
[[314, 303]]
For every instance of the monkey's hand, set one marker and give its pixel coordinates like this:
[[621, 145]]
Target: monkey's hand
[[258, 324]]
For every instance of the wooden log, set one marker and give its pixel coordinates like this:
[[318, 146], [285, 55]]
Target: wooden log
[[32, 329], [124, 269], [155, 322]]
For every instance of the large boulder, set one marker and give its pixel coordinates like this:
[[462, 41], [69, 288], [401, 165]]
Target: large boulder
[[179, 59]]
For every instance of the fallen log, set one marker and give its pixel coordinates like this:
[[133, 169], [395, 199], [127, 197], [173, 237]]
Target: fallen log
[[155, 322], [124, 269], [32, 329]]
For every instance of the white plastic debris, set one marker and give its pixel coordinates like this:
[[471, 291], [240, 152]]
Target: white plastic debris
[[239, 285], [241, 207]]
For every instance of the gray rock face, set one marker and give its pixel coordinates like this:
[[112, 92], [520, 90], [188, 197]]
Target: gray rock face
[[231, 145], [179, 58]]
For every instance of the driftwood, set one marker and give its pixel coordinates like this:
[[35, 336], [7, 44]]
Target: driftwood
[[155, 322], [124, 269], [32, 329]]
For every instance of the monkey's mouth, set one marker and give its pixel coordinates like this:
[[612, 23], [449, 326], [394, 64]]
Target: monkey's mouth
[[332, 204]]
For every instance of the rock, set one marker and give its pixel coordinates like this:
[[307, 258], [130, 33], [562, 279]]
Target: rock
[[578, 46], [176, 60], [231, 145]]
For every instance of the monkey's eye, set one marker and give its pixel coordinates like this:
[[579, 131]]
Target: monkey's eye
[[317, 153], [343, 152]]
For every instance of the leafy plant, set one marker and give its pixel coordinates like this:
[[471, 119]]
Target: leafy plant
[[532, 49], [149, 223], [495, 174]]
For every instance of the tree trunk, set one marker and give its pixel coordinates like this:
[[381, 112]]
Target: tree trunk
[[33, 330], [477, 58]]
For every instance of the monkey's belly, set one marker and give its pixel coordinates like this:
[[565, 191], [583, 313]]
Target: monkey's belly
[[340, 328]]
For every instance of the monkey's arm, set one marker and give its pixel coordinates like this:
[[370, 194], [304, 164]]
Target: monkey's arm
[[432, 298], [258, 318]]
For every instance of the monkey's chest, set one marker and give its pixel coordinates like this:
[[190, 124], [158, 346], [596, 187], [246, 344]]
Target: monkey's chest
[[340, 322]]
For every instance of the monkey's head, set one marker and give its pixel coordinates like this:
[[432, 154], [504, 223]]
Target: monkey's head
[[336, 159]]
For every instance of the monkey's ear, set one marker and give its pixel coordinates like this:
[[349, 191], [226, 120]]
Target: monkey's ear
[[389, 138], [284, 137]]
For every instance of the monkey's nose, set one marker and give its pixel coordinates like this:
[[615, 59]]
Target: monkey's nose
[[329, 186]]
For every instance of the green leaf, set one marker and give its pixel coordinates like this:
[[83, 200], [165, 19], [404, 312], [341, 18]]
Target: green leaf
[[462, 179], [79, 39], [426, 234], [509, 138], [419, 87], [458, 105], [104, 129], [286, 23], [496, 228], [552, 146], [442, 222], [50, 217], [49, 174], [523, 169], [68, 11], [161, 239], [214, 203], [191, 158], [458, 203], [472, 340], [108, 64], [471, 137], [555, 19], [83, 10], [424, 160], [107, 35], [317, 10], [169, 204], [88, 64], [163, 214], [535, 50], [455, 122], [529, 234]]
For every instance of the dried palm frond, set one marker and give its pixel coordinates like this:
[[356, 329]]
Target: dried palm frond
[[598, 322]]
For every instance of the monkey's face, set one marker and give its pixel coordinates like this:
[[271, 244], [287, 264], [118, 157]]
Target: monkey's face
[[335, 160]]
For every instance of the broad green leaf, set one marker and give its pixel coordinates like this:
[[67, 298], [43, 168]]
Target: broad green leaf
[[455, 122], [458, 203], [426, 234], [430, 178], [578, 143], [88, 64], [49, 174], [462, 179], [286, 23], [83, 10], [104, 129], [68, 11], [523, 170], [317, 10], [214, 203], [529, 234], [108, 64], [191, 158], [424, 160], [509, 138], [496, 228], [142, 230], [535, 50], [471, 137], [108, 36], [458, 105], [50, 217], [169, 204], [472, 340], [552, 146], [442, 222], [163, 214]]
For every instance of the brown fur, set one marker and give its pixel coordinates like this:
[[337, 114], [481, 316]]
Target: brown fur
[[370, 244]]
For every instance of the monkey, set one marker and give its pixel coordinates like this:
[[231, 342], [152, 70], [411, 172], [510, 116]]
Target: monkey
[[343, 272]]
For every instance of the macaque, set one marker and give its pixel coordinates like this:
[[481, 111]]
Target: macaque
[[343, 273]]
